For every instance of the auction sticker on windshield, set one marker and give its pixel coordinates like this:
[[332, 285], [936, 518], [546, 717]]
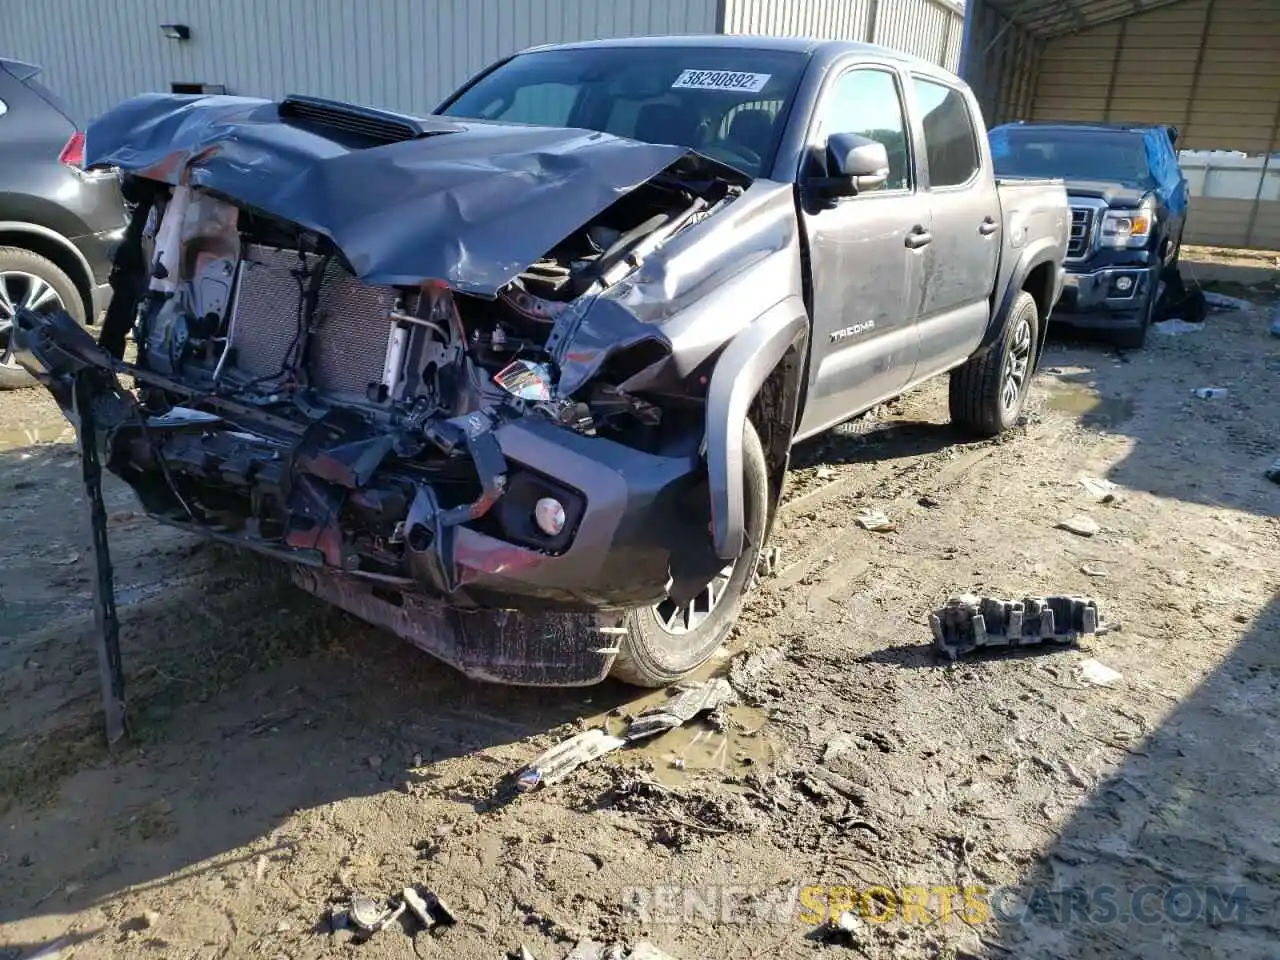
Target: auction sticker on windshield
[[721, 80]]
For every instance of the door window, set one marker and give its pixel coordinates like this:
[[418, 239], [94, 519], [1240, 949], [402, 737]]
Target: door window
[[868, 103], [950, 140]]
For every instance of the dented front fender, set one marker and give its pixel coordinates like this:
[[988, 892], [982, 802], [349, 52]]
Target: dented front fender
[[741, 370]]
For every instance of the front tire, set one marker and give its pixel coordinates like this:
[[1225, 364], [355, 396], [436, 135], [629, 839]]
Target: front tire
[[1136, 337], [988, 392], [664, 643], [32, 281]]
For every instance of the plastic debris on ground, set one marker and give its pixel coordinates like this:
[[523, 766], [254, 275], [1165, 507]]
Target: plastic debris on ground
[[970, 623], [565, 757], [845, 930], [1220, 301], [688, 702], [1175, 326], [418, 907], [875, 521], [1080, 525], [1097, 673], [61, 949], [1272, 472], [1098, 488], [370, 915], [1209, 393], [769, 562]]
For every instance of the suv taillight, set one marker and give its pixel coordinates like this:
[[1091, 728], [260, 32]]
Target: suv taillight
[[73, 153]]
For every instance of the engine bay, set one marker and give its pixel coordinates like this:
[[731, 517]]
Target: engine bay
[[244, 305], [353, 402]]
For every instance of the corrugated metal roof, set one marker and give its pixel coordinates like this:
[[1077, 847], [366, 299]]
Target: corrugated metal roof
[[1053, 18]]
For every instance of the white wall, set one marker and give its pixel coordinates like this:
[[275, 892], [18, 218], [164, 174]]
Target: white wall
[[400, 54]]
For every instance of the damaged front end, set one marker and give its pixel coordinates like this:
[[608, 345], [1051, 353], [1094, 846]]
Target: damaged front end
[[366, 346]]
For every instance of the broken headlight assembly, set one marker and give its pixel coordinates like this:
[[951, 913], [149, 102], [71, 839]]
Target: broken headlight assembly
[[1128, 229]]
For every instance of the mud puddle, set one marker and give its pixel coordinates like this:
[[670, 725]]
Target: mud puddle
[[1089, 407], [39, 433], [732, 743]]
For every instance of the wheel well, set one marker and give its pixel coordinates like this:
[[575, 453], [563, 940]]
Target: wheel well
[[1039, 283], [773, 414], [61, 255]]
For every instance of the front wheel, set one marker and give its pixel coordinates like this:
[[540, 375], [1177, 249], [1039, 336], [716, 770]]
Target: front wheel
[[1133, 338], [667, 641], [987, 393]]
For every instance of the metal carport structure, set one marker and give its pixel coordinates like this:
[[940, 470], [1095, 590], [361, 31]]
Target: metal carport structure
[[1209, 67]]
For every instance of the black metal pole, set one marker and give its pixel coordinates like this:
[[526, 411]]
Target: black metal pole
[[107, 634]]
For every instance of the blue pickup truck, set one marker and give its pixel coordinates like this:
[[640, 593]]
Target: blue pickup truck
[[1128, 210]]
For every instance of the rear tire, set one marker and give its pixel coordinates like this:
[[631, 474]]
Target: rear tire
[[650, 654], [987, 393], [28, 279]]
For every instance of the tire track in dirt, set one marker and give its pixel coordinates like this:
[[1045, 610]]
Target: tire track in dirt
[[935, 475]]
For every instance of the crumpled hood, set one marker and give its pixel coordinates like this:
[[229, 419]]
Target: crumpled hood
[[470, 202]]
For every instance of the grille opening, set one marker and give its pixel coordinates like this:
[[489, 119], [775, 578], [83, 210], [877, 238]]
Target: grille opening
[[1081, 227]]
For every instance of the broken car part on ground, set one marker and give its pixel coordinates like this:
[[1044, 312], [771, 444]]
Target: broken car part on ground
[[971, 623]]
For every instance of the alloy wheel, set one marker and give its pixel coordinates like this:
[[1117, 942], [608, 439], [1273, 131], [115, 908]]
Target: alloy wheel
[[683, 618], [22, 290], [1017, 364]]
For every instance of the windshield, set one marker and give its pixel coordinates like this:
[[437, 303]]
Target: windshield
[[724, 102], [1114, 155]]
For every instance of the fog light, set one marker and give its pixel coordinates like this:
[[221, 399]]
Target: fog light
[[1124, 284], [549, 514]]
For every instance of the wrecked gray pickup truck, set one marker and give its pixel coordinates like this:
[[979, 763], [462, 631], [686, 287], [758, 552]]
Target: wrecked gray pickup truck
[[519, 380]]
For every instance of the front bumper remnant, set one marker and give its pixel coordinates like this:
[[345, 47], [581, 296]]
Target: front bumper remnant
[[1107, 297], [453, 579]]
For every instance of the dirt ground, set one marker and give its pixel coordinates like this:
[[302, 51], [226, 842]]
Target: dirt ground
[[283, 754]]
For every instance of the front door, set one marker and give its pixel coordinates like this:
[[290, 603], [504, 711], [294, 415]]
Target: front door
[[864, 262]]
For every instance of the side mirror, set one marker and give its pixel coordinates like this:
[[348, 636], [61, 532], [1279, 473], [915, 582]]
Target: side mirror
[[856, 163]]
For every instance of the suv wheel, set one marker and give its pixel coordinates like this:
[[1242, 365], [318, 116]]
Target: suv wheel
[[987, 394], [666, 641], [31, 281]]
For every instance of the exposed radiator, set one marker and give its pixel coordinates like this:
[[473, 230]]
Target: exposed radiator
[[347, 352]]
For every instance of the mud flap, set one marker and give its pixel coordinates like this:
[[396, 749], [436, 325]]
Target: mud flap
[[497, 646]]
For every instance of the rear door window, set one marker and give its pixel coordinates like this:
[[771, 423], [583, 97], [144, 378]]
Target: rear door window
[[950, 137]]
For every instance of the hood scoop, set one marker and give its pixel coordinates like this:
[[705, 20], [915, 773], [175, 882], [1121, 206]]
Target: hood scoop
[[379, 126]]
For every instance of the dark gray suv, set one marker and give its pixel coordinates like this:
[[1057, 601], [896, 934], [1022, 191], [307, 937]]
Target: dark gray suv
[[57, 221]]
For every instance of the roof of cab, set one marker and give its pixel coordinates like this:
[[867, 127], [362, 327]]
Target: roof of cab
[[1077, 125], [804, 45]]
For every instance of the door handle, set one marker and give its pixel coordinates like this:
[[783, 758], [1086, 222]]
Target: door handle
[[918, 237], [988, 227]]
